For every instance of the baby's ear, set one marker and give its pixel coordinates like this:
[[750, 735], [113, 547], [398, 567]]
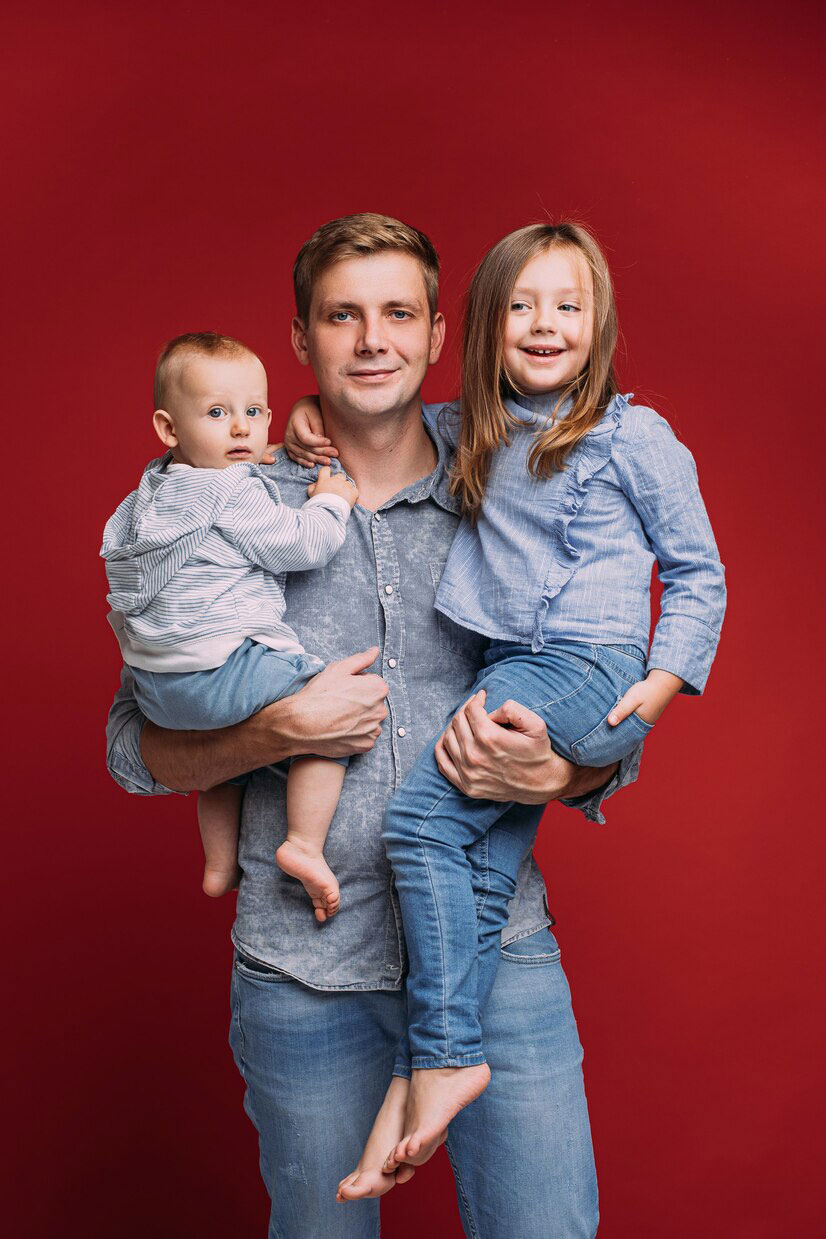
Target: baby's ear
[[164, 428], [269, 416]]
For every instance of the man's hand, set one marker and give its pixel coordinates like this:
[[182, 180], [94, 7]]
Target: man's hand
[[340, 711], [507, 755], [333, 484]]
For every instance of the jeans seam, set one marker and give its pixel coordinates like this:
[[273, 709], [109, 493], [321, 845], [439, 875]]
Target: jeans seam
[[460, 1189], [543, 705]]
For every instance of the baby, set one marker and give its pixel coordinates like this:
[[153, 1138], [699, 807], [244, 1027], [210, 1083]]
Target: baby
[[193, 557]]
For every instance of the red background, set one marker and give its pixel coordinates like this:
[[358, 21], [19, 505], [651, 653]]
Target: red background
[[163, 163]]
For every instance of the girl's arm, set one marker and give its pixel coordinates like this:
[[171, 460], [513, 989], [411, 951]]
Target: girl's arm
[[659, 477], [304, 439]]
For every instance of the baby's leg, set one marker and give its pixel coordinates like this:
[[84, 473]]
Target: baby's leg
[[313, 790], [219, 813]]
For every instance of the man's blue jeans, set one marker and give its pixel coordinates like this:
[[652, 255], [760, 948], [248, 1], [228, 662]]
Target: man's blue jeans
[[317, 1064], [437, 838]]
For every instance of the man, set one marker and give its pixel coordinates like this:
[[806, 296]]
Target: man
[[317, 1010]]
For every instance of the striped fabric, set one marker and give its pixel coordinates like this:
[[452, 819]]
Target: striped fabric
[[194, 558]]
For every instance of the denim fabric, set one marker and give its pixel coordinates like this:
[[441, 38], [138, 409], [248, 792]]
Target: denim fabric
[[569, 557], [379, 589], [316, 1067], [448, 885], [252, 677]]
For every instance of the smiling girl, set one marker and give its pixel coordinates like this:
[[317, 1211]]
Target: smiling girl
[[569, 493]]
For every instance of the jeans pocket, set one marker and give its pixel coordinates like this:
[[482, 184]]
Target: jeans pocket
[[252, 970], [605, 744], [540, 947]]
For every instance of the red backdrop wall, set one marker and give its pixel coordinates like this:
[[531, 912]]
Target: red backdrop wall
[[163, 164]]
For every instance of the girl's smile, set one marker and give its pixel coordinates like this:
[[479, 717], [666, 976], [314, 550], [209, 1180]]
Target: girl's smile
[[549, 324]]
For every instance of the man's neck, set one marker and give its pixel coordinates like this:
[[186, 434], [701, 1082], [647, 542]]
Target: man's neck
[[382, 454]]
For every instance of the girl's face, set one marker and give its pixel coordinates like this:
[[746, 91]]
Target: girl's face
[[550, 322]]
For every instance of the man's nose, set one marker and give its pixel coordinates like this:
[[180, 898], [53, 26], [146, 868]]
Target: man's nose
[[372, 337]]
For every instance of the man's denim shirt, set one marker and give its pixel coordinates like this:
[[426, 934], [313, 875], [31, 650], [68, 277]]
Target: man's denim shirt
[[378, 590]]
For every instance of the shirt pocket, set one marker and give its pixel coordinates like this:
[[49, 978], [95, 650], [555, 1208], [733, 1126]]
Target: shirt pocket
[[453, 637]]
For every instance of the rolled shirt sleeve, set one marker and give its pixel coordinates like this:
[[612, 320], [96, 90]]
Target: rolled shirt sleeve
[[626, 774], [123, 744]]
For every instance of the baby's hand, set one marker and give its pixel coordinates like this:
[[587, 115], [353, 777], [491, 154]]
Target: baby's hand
[[647, 697], [333, 484], [304, 438]]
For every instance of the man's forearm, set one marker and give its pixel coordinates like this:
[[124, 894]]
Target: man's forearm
[[197, 760], [579, 780]]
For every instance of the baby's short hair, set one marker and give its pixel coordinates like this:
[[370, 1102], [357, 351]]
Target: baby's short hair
[[205, 343]]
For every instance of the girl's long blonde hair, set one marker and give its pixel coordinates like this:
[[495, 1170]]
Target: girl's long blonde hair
[[485, 382]]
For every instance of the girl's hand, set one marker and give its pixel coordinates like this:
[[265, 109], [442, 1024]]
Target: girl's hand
[[647, 697], [304, 438]]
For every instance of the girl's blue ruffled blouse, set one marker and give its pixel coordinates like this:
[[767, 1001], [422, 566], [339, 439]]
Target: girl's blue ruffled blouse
[[570, 556]]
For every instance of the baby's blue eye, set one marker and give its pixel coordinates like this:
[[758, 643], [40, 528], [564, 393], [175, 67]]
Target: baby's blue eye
[[216, 412], [253, 411]]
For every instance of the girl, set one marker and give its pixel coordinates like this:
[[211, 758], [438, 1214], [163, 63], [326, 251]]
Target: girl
[[568, 495]]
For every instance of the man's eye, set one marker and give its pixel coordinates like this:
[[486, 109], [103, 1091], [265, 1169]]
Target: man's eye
[[400, 315], [341, 316], [216, 411]]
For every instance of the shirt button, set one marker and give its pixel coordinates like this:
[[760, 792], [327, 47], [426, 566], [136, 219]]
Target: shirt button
[[391, 662], [377, 516], [388, 589], [402, 731]]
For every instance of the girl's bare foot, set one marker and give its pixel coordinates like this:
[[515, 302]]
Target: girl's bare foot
[[220, 879], [435, 1097], [308, 865], [368, 1179]]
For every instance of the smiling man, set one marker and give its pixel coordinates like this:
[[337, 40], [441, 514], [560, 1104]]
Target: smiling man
[[318, 1010]]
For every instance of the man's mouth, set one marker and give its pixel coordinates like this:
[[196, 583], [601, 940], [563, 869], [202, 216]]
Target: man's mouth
[[371, 374]]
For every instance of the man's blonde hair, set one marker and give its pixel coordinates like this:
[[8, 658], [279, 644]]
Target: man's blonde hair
[[203, 343], [356, 236]]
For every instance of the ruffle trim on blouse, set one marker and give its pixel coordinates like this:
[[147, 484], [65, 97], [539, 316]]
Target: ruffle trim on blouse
[[593, 455]]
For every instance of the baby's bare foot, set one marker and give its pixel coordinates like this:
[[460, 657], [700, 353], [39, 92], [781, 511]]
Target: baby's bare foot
[[314, 873], [436, 1096], [220, 879], [368, 1179]]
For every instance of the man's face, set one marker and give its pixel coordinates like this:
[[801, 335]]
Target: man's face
[[369, 338]]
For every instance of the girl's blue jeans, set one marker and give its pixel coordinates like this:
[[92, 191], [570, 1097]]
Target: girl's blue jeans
[[454, 897]]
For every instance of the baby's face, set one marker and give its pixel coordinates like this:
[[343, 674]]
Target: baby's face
[[218, 409]]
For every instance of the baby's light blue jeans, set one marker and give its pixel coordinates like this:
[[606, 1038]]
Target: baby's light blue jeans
[[452, 912]]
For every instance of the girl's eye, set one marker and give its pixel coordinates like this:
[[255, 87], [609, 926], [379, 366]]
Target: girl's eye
[[568, 306], [519, 305], [216, 411]]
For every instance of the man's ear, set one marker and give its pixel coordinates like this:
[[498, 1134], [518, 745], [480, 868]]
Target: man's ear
[[299, 340], [164, 428], [437, 338]]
